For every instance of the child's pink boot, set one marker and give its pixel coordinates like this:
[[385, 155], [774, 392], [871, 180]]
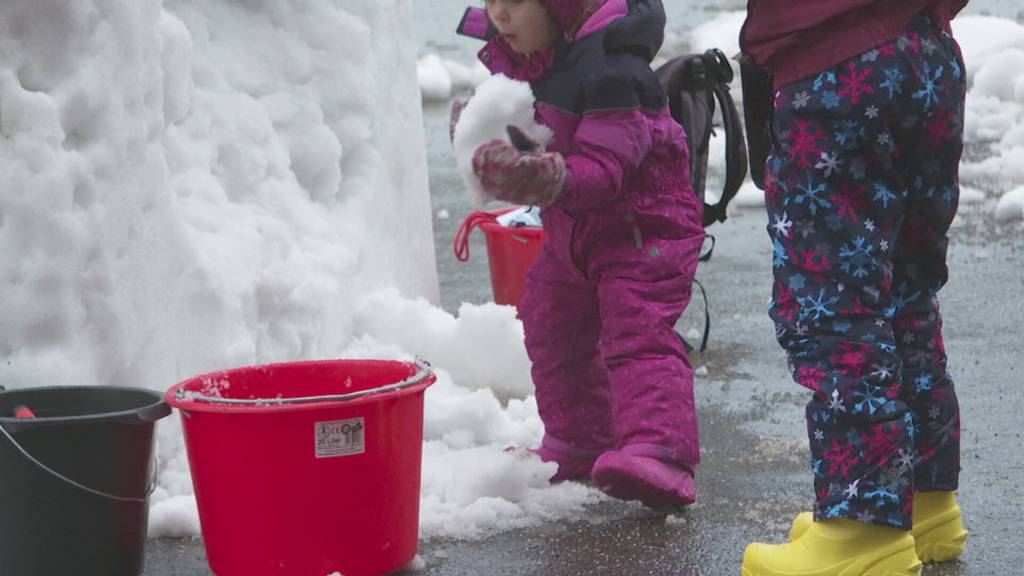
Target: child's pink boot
[[653, 482]]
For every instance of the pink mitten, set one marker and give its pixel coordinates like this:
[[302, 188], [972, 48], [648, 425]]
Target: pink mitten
[[526, 178]]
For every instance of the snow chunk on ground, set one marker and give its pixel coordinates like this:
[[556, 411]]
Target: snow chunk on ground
[[439, 77], [482, 348], [498, 103]]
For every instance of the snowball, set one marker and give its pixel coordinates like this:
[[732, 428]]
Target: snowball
[[498, 103]]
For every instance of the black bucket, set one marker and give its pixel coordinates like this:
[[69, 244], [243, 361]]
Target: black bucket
[[75, 480]]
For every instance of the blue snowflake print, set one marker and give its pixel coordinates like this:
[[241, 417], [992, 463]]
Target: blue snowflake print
[[872, 398], [957, 70], [823, 78], [797, 282], [818, 307], [830, 98], [779, 254], [911, 426], [883, 194], [930, 92], [848, 133], [900, 298], [950, 194], [870, 56], [923, 383], [810, 192], [838, 510], [834, 222], [881, 496], [857, 259], [893, 82]]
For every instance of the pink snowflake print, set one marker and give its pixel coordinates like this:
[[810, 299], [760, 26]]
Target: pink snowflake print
[[880, 447], [811, 261], [785, 302], [854, 85], [887, 50], [849, 201], [851, 358], [940, 127], [810, 377], [840, 459], [804, 149]]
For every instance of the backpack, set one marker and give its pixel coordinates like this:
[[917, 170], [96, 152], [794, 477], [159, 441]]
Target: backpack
[[693, 83]]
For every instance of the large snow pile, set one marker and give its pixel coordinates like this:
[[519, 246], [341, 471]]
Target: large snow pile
[[496, 104], [196, 185]]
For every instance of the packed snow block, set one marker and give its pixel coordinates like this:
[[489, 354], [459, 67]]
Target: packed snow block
[[189, 186], [497, 103]]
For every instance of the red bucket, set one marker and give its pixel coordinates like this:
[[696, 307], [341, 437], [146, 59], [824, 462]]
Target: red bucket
[[510, 252], [307, 468]]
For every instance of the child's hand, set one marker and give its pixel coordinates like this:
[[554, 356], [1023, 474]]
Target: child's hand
[[526, 178]]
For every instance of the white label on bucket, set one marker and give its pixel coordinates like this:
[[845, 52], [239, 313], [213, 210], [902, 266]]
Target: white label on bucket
[[340, 438]]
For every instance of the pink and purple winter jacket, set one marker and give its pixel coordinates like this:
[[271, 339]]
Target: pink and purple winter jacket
[[608, 112]]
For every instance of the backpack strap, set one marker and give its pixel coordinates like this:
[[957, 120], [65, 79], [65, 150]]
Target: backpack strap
[[735, 144]]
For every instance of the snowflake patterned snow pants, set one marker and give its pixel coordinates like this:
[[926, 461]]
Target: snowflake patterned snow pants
[[862, 187]]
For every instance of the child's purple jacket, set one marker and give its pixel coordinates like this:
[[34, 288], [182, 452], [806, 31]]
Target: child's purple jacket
[[795, 39], [605, 106]]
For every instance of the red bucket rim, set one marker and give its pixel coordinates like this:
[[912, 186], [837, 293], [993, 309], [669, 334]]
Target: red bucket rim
[[420, 376], [496, 228]]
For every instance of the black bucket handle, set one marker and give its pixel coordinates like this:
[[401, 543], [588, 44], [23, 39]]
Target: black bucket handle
[[65, 479], [148, 414]]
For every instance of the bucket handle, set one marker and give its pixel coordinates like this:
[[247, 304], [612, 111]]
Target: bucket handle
[[461, 243], [65, 479], [422, 373]]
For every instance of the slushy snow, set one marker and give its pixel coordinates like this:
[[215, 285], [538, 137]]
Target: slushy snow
[[497, 103]]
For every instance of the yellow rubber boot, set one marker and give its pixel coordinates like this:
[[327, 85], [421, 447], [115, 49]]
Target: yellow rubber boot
[[938, 526], [838, 547]]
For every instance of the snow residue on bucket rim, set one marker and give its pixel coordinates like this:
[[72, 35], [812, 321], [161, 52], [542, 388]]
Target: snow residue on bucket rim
[[218, 392]]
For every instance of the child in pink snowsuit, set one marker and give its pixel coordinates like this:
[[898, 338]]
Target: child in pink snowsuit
[[613, 382]]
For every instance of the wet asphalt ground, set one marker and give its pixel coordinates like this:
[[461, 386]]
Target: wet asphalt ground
[[755, 475]]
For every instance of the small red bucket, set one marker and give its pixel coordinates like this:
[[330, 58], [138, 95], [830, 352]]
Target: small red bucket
[[307, 468], [510, 252]]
